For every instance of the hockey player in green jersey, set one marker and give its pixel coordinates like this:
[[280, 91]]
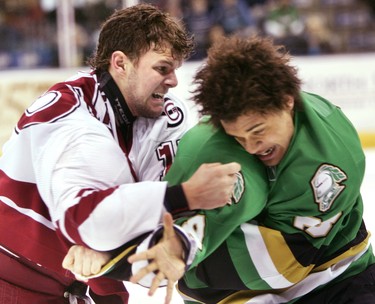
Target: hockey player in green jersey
[[309, 244], [293, 231]]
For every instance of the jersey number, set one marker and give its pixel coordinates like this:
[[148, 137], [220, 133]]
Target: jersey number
[[195, 226], [314, 226], [166, 153]]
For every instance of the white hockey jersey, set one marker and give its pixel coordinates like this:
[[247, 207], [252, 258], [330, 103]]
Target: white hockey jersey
[[64, 173]]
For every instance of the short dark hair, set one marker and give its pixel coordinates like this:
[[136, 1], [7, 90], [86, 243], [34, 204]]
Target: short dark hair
[[135, 29], [245, 74]]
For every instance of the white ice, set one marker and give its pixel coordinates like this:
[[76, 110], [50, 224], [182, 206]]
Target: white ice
[[138, 294]]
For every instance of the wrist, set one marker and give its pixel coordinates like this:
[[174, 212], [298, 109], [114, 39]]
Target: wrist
[[176, 200]]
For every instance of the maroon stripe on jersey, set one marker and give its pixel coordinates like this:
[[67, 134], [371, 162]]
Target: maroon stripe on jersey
[[87, 91], [23, 194], [89, 199], [28, 238], [64, 97], [40, 111], [87, 86]]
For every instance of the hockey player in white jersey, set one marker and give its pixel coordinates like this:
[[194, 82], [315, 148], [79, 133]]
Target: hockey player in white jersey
[[85, 162]]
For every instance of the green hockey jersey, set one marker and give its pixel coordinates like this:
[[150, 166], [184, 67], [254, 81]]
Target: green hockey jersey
[[288, 229]]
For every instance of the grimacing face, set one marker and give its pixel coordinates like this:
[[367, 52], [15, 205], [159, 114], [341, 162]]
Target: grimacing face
[[144, 84], [267, 136]]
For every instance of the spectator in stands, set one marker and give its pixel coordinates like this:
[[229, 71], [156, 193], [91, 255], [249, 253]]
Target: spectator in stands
[[284, 23], [173, 7], [25, 46], [199, 21], [320, 39], [234, 17]]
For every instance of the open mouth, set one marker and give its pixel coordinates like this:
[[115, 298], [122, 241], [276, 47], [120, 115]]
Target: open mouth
[[158, 95], [267, 152]]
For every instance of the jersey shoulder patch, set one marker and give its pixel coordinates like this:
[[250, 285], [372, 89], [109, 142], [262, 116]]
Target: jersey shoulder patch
[[174, 113]]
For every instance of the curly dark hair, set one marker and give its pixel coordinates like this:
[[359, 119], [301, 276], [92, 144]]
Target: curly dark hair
[[245, 74], [134, 30]]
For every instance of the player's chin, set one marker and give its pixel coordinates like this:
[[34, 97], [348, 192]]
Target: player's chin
[[151, 112], [154, 114], [156, 111]]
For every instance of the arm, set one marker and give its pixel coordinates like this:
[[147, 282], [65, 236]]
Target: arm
[[214, 179], [81, 177], [166, 256]]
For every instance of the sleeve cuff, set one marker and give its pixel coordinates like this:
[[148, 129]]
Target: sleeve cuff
[[175, 200]]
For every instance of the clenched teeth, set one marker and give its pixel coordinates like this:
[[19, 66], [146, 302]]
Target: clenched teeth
[[269, 151], [158, 95]]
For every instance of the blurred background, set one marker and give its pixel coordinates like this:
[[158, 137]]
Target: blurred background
[[55, 33], [332, 43]]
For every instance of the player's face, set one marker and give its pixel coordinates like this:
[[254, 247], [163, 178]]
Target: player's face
[[146, 83], [266, 136]]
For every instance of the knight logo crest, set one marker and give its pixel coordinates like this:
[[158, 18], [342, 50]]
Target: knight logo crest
[[238, 189], [326, 185]]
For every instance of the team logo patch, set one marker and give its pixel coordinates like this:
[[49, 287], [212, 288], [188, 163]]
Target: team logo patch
[[174, 113], [326, 185], [238, 189]]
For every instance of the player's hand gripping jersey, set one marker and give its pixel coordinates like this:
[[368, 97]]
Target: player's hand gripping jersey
[[275, 245], [47, 180]]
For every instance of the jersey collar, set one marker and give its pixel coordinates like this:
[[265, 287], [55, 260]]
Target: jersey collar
[[124, 117]]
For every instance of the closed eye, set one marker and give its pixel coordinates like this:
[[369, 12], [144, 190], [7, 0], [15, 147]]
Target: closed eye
[[258, 132]]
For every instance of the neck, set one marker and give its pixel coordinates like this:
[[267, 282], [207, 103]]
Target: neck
[[123, 115]]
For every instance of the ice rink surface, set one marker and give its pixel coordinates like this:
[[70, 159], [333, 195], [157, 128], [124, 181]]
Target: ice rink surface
[[138, 295]]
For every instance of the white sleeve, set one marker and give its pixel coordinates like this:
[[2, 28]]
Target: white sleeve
[[82, 167]]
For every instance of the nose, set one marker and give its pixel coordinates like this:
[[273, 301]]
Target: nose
[[253, 147], [171, 81]]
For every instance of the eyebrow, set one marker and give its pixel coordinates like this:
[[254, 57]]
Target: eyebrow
[[254, 127], [169, 62], [247, 130]]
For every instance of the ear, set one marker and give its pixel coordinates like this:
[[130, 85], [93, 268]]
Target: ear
[[119, 61], [289, 102]]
